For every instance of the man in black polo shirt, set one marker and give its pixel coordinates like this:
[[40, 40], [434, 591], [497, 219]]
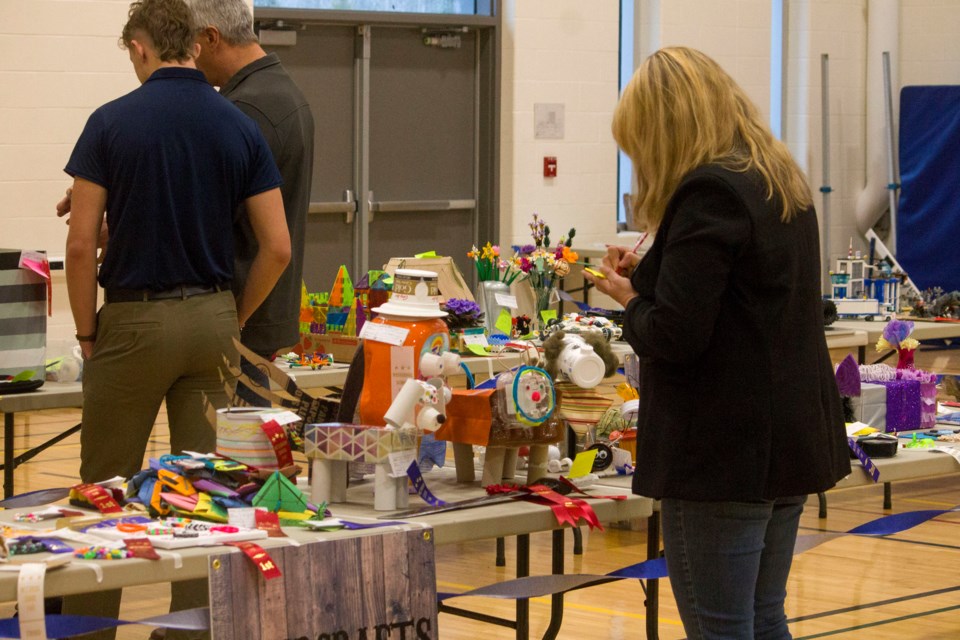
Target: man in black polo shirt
[[232, 59]]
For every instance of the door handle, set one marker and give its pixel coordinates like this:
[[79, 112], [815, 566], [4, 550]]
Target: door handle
[[348, 207]]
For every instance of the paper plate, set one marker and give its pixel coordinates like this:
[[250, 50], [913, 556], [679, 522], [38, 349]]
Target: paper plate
[[409, 311], [22, 386]]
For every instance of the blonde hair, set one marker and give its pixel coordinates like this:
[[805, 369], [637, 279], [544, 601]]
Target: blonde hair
[[681, 110]]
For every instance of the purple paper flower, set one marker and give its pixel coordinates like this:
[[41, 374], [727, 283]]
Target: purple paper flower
[[527, 249], [897, 331]]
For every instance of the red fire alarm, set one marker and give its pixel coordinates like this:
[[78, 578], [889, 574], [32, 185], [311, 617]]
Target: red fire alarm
[[549, 167]]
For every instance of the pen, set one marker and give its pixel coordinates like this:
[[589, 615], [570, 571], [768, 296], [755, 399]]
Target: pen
[[636, 247], [640, 241]]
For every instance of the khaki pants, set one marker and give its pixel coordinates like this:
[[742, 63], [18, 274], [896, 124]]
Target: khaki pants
[[148, 352]]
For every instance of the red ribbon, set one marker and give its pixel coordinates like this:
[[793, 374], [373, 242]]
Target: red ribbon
[[277, 436], [270, 522], [141, 548], [260, 558], [566, 509], [99, 497]]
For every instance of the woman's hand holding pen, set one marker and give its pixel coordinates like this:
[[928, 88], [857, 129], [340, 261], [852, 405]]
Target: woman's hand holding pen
[[625, 262], [611, 281]]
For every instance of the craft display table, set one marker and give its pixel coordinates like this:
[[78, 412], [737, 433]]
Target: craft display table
[[52, 395], [908, 464], [922, 330], [513, 518]]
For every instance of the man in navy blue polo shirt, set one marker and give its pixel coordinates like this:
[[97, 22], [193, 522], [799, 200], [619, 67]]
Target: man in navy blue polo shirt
[[169, 163]]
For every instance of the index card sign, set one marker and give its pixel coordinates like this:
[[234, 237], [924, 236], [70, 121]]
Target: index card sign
[[370, 586]]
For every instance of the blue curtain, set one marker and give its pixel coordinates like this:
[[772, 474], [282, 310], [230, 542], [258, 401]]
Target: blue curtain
[[928, 217]]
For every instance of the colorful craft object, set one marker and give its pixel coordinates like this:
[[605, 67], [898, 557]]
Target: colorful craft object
[[896, 336], [332, 446]]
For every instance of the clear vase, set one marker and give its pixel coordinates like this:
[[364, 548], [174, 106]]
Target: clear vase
[[545, 298], [487, 291]]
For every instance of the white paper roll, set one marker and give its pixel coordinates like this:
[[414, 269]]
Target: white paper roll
[[431, 365], [401, 411]]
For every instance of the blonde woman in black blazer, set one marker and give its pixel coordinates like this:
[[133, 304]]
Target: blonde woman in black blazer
[[740, 415]]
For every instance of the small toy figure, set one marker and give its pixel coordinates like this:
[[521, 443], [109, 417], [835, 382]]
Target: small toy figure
[[522, 325]]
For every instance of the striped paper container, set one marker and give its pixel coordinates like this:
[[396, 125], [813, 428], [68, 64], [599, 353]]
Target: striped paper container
[[240, 437], [23, 323]]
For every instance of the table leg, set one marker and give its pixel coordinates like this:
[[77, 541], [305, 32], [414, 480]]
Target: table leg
[[8, 454], [653, 585], [501, 552], [887, 495], [556, 600], [822, 498], [523, 570], [577, 541], [862, 354]]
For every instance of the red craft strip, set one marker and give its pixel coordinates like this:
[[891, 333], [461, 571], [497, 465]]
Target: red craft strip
[[277, 436], [99, 497], [260, 558]]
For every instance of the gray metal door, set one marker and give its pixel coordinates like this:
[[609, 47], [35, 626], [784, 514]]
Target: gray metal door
[[406, 138]]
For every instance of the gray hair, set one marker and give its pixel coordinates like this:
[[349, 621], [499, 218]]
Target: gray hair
[[232, 18]]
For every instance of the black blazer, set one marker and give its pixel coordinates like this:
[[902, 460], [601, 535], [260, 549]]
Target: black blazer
[[738, 401]]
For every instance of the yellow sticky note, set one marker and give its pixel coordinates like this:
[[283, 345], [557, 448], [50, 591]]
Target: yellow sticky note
[[548, 314], [426, 254], [504, 322], [582, 464]]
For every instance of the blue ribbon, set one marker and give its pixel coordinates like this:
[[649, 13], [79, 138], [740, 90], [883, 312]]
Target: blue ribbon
[[864, 459], [420, 485]]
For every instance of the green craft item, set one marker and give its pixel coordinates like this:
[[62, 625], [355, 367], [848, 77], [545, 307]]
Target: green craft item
[[279, 494], [504, 322], [548, 314], [427, 254]]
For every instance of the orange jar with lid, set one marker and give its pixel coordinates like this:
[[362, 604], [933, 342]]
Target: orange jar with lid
[[408, 326]]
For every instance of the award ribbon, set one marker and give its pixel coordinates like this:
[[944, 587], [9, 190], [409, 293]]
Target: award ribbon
[[270, 522], [260, 558], [99, 497], [277, 436], [141, 548], [864, 459], [420, 486]]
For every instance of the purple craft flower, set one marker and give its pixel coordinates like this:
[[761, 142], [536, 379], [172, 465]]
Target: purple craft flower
[[897, 331], [525, 265], [527, 249], [462, 307]]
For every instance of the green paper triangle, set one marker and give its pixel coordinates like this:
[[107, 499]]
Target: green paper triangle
[[279, 494]]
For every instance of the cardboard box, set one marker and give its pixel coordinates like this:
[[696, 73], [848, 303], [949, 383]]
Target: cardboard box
[[341, 347], [450, 280], [871, 407]]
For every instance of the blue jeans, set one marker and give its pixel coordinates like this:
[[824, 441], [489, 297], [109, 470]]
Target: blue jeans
[[728, 564]]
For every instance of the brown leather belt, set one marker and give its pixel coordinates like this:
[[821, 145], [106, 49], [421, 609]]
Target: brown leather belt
[[146, 295]]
